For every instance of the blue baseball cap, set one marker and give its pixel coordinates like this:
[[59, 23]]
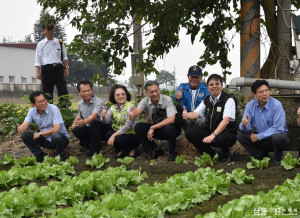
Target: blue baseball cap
[[195, 71]]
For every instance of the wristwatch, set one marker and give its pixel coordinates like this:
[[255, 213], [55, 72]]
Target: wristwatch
[[152, 128], [215, 134], [67, 67], [40, 133]]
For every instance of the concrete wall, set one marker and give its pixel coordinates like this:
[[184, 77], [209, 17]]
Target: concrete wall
[[19, 90], [17, 63], [290, 104]]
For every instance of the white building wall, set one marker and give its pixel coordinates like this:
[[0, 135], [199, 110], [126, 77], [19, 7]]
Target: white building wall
[[17, 63]]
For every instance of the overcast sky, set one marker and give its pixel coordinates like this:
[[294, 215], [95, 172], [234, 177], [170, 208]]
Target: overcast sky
[[17, 18]]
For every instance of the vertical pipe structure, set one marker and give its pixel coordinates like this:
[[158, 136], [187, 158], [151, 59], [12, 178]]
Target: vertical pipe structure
[[136, 57], [250, 38], [284, 39], [137, 37]]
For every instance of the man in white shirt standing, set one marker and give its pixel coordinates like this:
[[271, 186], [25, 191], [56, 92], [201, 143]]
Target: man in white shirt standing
[[50, 62]]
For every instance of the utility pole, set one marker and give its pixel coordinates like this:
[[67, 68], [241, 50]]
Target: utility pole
[[136, 57], [250, 40]]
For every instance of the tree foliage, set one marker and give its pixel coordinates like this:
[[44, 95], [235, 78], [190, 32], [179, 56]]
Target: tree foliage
[[105, 28], [38, 34], [166, 80], [88, 71]]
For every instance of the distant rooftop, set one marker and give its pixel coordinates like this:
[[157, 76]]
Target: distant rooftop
[[19, 45]]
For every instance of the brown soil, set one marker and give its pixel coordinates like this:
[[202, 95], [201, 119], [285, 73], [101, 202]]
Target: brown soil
[[265, 179]]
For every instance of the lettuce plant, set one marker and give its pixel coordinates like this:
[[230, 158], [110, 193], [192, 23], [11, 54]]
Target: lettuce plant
[[205, 160], [181, 159], [259, 164]]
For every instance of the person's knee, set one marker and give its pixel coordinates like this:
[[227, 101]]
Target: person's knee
[[57, 138], [188, 134], [76, 130], [241, 137], [27, 135], [96, 123], [119, 140], [170, 131], [139, 129], [280, 139]]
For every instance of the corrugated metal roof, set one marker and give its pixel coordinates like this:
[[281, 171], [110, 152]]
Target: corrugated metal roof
[[20, 45]]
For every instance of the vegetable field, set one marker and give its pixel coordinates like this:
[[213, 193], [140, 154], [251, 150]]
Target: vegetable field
[[104, 187]]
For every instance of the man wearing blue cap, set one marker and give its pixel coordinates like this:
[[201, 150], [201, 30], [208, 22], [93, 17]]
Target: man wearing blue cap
[[190, 95]]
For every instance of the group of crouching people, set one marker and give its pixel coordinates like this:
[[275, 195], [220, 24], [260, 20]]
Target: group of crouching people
[[206, 113]]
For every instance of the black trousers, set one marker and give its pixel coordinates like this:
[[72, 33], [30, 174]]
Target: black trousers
[[91, 136], [261, 149], [224, 140], [168, 132], [124, 142], [58, 141], [52, 75]]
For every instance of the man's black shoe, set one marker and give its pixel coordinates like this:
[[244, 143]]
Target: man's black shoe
[[149, 155], [225, 158], [157, 153], [277, 163], [172, 156], [40, 158], [91, 153]]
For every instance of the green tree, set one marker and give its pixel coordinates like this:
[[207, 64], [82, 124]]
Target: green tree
[[87, 71], [7, 39], [108, 25], [129, 83], [166, 80], [38, 34], [27, 39]]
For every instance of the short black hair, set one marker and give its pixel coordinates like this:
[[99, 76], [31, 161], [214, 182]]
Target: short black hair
[[35, 94], [84, 82], [215, 77], [113, 91], [258, 83], [150, 83]]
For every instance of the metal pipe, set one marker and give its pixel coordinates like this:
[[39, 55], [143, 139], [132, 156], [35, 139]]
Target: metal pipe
[[280, 84]]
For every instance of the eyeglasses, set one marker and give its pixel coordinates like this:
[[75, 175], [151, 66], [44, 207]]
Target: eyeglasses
[[121, 94], [214, 84], [154, 91], [41, 101]]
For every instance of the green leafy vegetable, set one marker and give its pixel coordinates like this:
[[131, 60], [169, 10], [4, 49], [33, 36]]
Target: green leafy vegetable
[[97, 161], [51, 160], [70, 191], [152, 162], [259, 164], [73, 160], [27, 160], [181, 159], [179, 192], [126, 160], [289, 162], [205, 160], [8, 159], [282, 201], [240, 177]]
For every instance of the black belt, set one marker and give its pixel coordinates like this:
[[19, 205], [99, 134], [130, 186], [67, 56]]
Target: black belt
[[52, 65]]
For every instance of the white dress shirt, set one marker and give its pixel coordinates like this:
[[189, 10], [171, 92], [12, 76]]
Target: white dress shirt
[[229, 108], [49, 52]]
